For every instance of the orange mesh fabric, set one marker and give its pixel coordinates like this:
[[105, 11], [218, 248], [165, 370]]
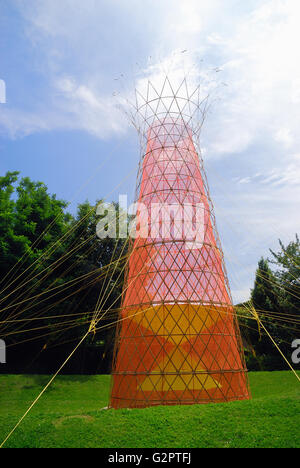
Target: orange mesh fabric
[[179, 342]]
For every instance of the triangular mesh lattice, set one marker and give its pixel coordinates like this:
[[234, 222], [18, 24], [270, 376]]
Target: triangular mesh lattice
[[179, 342]]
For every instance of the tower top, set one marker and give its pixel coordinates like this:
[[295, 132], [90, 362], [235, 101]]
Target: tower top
[[165, 105]]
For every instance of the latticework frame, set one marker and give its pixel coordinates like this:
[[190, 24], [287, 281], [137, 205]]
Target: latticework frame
[[178, 340]]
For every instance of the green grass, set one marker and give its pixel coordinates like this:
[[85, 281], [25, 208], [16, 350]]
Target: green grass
[[68, 415]]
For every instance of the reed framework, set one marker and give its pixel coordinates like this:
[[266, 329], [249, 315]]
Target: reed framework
[[178, 340]]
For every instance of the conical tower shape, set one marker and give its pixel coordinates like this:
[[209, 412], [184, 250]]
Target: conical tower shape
[[178, 341]]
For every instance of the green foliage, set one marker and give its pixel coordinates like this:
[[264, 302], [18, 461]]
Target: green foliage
[[275, 297], [50, 279], [26, 210], [69, 415], [43, 252]]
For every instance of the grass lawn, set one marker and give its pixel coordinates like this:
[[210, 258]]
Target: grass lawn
[[68, 415]]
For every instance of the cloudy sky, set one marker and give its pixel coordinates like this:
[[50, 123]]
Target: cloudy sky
[[65, 62]]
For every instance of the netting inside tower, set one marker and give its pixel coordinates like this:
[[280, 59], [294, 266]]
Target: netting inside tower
[[178, 341]]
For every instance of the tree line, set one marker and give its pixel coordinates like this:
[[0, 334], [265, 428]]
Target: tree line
[[276, 300], [54, 269]]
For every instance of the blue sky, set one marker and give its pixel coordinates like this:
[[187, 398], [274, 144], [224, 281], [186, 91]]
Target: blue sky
[[64, 61]]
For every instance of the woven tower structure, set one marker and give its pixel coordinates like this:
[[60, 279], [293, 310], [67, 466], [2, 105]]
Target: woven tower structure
[[178, 340]]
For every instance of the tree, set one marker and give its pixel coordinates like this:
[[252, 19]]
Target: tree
[[263, 295], [275, 297], [12, 246], [50, 279]]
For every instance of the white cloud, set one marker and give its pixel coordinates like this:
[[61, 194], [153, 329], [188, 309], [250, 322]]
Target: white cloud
[[83, 48], [260, 68], [285, 137], [74, 107], [16, 123], [244, 180], [88, 110], [254, 47]]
